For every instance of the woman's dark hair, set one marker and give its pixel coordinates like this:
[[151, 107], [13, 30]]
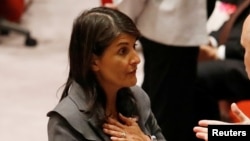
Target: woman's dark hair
[[93, 31], [126, 104]]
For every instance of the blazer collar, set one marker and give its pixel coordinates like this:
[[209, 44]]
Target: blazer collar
[[76, 94]]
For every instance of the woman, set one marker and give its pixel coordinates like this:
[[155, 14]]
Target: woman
[[100, 100], [170, 44]]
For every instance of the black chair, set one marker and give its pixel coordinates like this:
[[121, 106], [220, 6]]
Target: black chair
[[7, 26]]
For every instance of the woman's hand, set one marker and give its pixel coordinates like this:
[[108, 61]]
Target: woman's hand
[[128, 130], [202, 131]]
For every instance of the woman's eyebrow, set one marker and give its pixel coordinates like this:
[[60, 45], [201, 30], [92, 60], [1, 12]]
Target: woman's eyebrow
[[122, 43]]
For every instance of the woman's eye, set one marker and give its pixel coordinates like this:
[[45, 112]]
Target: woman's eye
[[123, 51]]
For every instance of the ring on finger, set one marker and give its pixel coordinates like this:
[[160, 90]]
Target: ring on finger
[[123, 135]]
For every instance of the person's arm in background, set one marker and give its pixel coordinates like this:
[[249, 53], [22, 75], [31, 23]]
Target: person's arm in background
[[210, 51], [202, 131], [232, 48], [132, 8]]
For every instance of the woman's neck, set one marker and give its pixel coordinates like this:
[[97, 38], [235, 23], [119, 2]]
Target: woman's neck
[[110, 109]]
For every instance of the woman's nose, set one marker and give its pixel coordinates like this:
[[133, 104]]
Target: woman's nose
[[136, 59]]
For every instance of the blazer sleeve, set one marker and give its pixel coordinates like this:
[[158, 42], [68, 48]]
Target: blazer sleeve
[[147, 120], [154, 128], [67, 123]]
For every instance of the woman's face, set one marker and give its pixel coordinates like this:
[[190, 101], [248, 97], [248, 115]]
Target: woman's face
[[117, 66]]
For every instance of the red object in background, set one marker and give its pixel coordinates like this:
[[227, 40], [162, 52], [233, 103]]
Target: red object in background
[[244, 105], [12, 10], [106, 1]]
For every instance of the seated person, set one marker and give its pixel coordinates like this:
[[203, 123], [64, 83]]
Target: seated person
[[201, 130], [221, 72]]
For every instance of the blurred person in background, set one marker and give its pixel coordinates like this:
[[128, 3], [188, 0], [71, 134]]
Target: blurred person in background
[[221, 75], [201, 130]]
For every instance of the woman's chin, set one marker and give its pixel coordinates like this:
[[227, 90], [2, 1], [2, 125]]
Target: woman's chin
[[132, 82]]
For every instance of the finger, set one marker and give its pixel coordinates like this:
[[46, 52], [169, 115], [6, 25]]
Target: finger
[[117, 139], [114, 122], [201, 135], [118, 134], [238, 113], [127, 120], [135, 119], [205, 123], [201, 132], [200, 129], [111, 127]]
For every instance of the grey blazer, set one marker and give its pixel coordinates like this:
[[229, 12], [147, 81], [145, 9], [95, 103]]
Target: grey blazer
[[69, 121]]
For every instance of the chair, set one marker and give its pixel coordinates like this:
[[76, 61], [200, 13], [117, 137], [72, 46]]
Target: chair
[[8, 23]]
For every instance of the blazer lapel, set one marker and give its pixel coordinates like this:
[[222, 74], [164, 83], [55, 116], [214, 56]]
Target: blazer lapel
[[77, 95], [98, 130]]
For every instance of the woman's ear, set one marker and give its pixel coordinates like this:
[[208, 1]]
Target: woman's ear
[[94, 63]]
